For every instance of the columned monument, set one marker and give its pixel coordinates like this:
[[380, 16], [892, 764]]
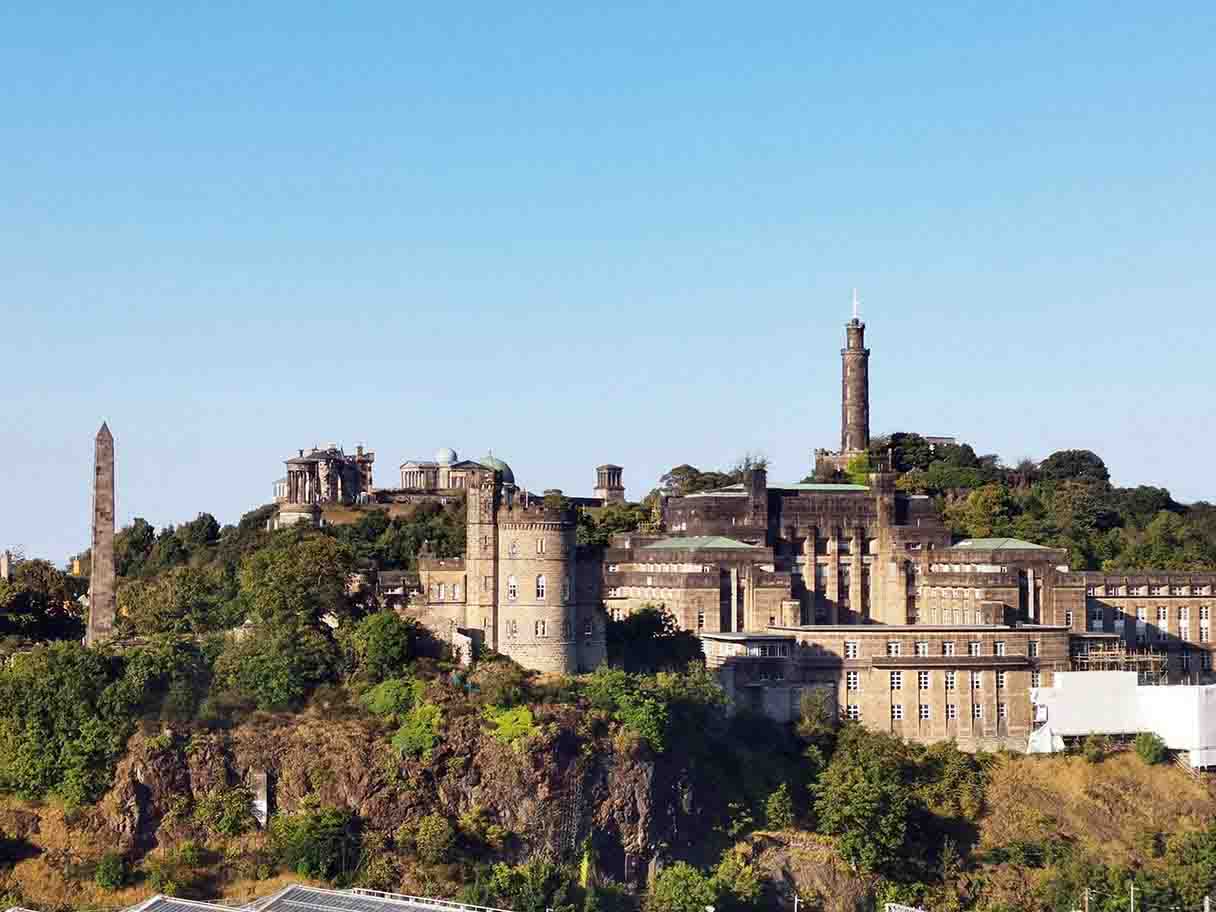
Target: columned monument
[[102, 603]]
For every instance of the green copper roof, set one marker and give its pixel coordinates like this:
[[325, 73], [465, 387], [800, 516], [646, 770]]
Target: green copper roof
[[999, 544], [701, 543], [816, 486]]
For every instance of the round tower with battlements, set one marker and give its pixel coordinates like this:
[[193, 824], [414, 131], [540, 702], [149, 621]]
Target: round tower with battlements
[[536, 584]]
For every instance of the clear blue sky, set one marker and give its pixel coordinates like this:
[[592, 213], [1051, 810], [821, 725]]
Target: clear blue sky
[[581, 233]]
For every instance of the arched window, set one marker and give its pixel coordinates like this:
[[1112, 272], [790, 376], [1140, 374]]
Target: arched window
[[540, 587], [513, 549], [512, 588], [541, 629]]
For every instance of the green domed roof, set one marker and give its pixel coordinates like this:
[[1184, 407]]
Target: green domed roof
[[493, 462]]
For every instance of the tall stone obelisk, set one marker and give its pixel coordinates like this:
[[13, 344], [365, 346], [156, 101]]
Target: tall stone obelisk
[[102, 602]]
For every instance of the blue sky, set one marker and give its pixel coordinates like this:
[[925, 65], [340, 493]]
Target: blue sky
[[577, 234]]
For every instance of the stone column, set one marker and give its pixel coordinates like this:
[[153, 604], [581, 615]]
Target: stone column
[[808, 572], [857, 572], [833, 581], [102, 578]]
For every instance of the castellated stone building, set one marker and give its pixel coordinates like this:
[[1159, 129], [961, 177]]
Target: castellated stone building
[[517, 589]]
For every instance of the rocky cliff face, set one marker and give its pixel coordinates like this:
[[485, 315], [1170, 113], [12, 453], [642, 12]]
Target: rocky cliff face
[[565, 784]]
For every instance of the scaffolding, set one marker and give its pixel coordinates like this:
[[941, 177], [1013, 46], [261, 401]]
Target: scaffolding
[[1149, 664]]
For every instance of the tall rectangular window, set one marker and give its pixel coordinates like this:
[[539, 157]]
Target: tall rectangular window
[[897, 711], [976, 680], [948, 648], [897, 680], [852, 680], [977, 710], [1036, 679], [1000, 680], [850, 649], [951, 680], [923, 711], [951, 711], [973, 648], [852, 712], [893, 648], [922, 680], [998, 648], [1032, 648], [922, 648]]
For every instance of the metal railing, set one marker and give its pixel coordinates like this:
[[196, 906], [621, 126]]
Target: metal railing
[[427, 901]]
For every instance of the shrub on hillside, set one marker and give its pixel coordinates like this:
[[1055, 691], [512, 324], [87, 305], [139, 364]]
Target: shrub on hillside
[[681, 888], [324, 843], [225, 812], [514, 726], [434, 839], [394, 697], [1150, 748], [384, 644], [779, 809], [419, 733], [276, 669], [1095, 748], [111, 873]]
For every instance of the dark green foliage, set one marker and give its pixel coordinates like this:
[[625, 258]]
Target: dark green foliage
[[39, 603], [277, 666], [383, 644], [324, 843], [596, 527], [180, 600], [862, 799], [111, 873], [779, 809], [393, 544], [62, 723], [650, 640], [297, 579], [226, 812], [661, 710], [1150, 748]]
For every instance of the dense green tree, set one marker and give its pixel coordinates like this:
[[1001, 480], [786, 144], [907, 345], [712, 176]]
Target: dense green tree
[[181, 600], [862, 800], [277, 665], [650, 640], [1074, 465], [40, 602], [681, 888], [324, 843], [132, 545], [596, 527], [297, 579], [383, 645]]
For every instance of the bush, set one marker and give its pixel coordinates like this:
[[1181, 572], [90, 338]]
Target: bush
[[384, 645], [681, 888], [1150, 747], [514, 726], [434, 839], [190, 853], [419, 734], [1095, 748], [394, 697], [277, 669], [323, 843], [111, 873], [225, 812], [779, 809]]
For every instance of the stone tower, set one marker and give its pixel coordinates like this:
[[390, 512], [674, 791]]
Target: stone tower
[[537, 584], [482, 493], [855, 389], [608, 486], [102, 578]]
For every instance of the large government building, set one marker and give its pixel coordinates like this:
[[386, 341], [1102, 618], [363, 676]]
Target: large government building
[[854, 589]]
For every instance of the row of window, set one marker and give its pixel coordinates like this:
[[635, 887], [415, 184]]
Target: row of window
[[1098, 614], [852, 680], [1190, 589], [542, 585], [852, 648], [541, 628], [924, 711], [439, 592], [513, 547]]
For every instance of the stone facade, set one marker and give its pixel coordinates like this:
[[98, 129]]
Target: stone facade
[[516, 590], [608, 485], [327, 476], [102, 581]]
